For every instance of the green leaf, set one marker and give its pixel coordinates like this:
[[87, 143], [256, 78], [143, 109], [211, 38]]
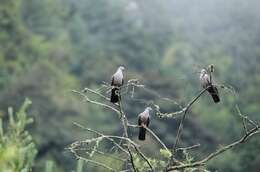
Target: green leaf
[[165, 153]]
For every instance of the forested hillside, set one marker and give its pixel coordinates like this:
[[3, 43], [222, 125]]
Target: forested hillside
[[49, 48]]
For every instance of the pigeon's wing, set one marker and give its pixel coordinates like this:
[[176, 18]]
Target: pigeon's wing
[[139, 120], [123, 81], [148, 121], [112, 80], [205, 81]]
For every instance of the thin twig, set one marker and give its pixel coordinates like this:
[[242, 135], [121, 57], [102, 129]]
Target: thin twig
[[124, 123], [93, 162], [188, 148], [184, 115], [173, 164], [105, 136], [157, 138], [99, 164], [245, 117], [132, 160], [202, 162], [95, 102], [152, 133], [85, 90], [144, 157], [185, 110]]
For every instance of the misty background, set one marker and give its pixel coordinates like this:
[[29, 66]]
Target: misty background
[[49, 48]]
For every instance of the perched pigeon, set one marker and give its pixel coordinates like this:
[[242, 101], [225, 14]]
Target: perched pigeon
[[143, 120], [116, 83], [206, 82]]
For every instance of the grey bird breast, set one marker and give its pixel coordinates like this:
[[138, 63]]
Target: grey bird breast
[[118, 78], [204, 80], [144, 117]]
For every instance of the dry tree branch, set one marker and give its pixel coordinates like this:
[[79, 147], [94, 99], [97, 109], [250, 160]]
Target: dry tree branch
[[152, 133], [189, 105], [144, 157], [89, 160], [108, 137], [101, 153], [173, 163], [132, 160], [97, 163], [86, 90], [86, 98], [135, 83], [188, 148], [245, 118], [202, 162], [124, 123], [185, 110], [158, 139]]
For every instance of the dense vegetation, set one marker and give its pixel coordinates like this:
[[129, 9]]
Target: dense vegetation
[[51, 47]]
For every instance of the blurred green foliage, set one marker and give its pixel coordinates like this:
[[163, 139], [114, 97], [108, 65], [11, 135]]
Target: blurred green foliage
[[51, 47], [17, 149]]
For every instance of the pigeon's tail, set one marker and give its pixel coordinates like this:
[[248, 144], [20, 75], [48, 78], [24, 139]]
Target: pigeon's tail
[[214, 93], [142, 132], [114, 95]]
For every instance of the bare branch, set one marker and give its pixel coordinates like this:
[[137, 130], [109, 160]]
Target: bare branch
[[124, 123], [202, 162], [144, 157], [157, 138], [152, 133], [106, 137], [245, 117], [128, 146], [188, 148], [185, 110], [92, 161], [86, 90], [99, 164], [95, 102], [132, 160]]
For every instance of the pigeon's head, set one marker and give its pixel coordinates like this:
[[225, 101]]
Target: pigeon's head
[[203, 71], [149, 109], [122, 68]]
